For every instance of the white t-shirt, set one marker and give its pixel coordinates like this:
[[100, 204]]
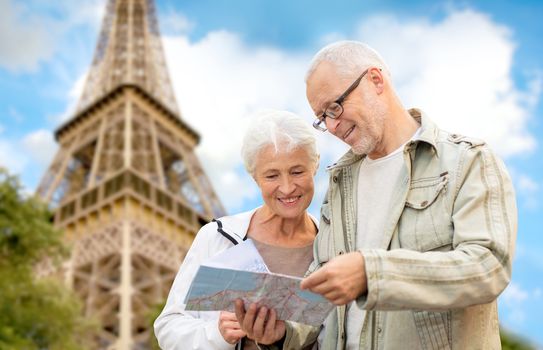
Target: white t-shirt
[[376, 181]]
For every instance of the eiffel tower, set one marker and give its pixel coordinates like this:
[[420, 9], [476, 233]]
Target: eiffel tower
[[128, 191]]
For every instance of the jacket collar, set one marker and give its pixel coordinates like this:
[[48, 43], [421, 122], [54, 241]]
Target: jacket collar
[[429, 130], [238, 224], [428, 134]]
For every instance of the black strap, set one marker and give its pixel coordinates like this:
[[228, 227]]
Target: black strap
[[241, 344], [222, 232]]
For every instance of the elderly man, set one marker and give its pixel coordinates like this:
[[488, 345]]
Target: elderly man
[[418, 226], [417, 229]]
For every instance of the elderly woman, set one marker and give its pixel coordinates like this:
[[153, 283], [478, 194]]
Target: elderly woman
[[280, 153]]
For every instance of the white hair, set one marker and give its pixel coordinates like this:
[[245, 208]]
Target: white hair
[[281, 129], [349, 58]]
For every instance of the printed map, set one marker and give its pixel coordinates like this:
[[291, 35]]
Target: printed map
[[215, 289]]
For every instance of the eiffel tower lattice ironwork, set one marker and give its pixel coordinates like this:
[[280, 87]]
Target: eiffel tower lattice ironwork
[[127, 188]]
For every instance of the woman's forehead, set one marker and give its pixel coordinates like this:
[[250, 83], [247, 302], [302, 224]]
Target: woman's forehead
[[270, 154]]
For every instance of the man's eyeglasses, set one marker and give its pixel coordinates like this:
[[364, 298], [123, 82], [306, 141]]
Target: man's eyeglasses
[[335, 109]]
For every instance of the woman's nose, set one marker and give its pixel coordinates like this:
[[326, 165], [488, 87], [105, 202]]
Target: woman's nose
[[287, 185]]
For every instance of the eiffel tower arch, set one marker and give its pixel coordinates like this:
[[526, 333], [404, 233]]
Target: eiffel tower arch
[[126, 185]]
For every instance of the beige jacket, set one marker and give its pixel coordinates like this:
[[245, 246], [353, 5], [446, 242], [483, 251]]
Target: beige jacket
[[446, 252]]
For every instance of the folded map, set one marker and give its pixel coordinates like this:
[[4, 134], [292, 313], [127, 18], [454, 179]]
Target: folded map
[[240, 273], [215, 289]]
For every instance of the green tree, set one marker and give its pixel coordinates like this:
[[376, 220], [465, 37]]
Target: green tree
[[512, 341], [34, 313], [151, 316]]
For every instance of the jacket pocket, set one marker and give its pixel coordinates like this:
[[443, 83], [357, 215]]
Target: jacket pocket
[[434, 329], [425, 223], [325, 241], [325, 214]]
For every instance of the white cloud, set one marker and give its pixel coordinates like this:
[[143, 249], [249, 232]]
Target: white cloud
[[331, 37], [40, 146], [459, 70], [220, 82], [513, 294], [175, 23], [321, 185], [32, 32], [29, 155], [11, 157], [529, 255], [237, 187], [514, 300], [527, 189], [72, 99], [88, 12], [25, 39], [527, 184]]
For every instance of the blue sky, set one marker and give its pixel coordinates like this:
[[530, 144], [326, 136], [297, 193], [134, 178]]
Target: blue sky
[[475, 67]]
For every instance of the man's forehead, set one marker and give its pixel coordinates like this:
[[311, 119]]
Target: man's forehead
[[325, 71], [323, 84]]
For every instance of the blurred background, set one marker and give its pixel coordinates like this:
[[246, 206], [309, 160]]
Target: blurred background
[[475, 66]]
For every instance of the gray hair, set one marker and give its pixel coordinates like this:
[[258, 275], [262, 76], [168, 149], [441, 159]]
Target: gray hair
[[281, 129], [349, 57]]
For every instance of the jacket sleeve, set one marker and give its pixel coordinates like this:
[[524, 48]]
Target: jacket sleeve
[[299, 336], [177, 329], [476, 270]]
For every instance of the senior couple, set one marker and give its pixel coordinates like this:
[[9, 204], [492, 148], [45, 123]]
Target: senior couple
[[415, 238]]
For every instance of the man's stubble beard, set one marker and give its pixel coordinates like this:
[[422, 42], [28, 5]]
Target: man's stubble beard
[[373, 131]]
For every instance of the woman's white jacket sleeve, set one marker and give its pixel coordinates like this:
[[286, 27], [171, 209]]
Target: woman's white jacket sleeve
[[176, 328]]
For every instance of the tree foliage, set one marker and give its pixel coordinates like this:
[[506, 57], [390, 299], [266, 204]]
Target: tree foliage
[[511, 341], [151, 316], [34, 313]]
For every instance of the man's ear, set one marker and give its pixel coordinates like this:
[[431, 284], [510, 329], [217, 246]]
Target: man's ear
[[377, 78]]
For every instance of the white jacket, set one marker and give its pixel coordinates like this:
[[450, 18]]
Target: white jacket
[[177, 329]]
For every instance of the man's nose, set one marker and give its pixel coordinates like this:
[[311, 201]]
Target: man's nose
[[331, 124]]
